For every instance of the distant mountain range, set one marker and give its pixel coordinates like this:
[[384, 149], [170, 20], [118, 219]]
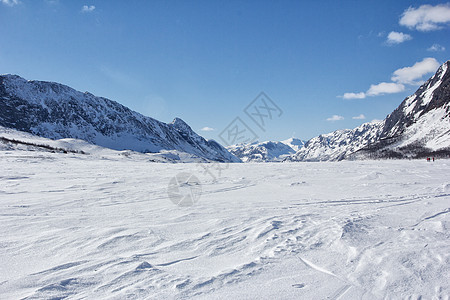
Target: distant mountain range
[[418, 128], [266, 151], [56, 111]]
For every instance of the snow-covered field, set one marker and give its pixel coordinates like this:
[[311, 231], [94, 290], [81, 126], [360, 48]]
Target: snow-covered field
[[79, 226]]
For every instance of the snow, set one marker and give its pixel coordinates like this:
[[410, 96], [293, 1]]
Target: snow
[[410, 104], [56, 111], [338, 144], [92, 150], [82, 221], [420, 125], [87, 226], [261, 152], [433, 129], [419, 101], [294, 143], [427, 96]]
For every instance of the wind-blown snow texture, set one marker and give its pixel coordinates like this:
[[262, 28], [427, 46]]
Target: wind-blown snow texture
[[57, 111], [419, 127], [80, 226]]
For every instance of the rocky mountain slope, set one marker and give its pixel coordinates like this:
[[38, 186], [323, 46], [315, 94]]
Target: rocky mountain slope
[[419, 127], [56, 111]]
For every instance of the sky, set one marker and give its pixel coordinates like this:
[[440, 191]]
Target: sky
[[324, 65]]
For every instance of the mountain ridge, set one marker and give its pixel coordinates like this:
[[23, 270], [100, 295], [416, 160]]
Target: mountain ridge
[[56, 111], [268, 151], [417, 128]]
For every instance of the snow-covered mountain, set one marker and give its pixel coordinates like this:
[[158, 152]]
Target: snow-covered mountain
[[338, 144], [419, 127], [56, 111], [294, 143], [265, 151]]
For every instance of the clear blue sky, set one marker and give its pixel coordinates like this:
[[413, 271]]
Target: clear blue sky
[[204, 61]]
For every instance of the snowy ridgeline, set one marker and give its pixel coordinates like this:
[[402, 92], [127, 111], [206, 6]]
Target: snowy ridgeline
[[56, 111], [266, 151], [98, 227], [419, 127]]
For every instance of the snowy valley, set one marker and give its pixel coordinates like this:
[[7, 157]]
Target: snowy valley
[[85, 216], [203, 150]]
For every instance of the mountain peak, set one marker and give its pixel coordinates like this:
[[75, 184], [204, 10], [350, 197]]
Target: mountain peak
[[181, 125], [12, 78], [445, 65]]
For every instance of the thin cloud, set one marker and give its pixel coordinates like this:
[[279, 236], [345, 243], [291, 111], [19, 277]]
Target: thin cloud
[[87, 8], [409, 75], [394, 37], [335, 118], [401, 77], [120, 78], [10, 2], [385, 88], [436, 48], [360, 117], [206, 128], [426, 17], [361, 95]]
